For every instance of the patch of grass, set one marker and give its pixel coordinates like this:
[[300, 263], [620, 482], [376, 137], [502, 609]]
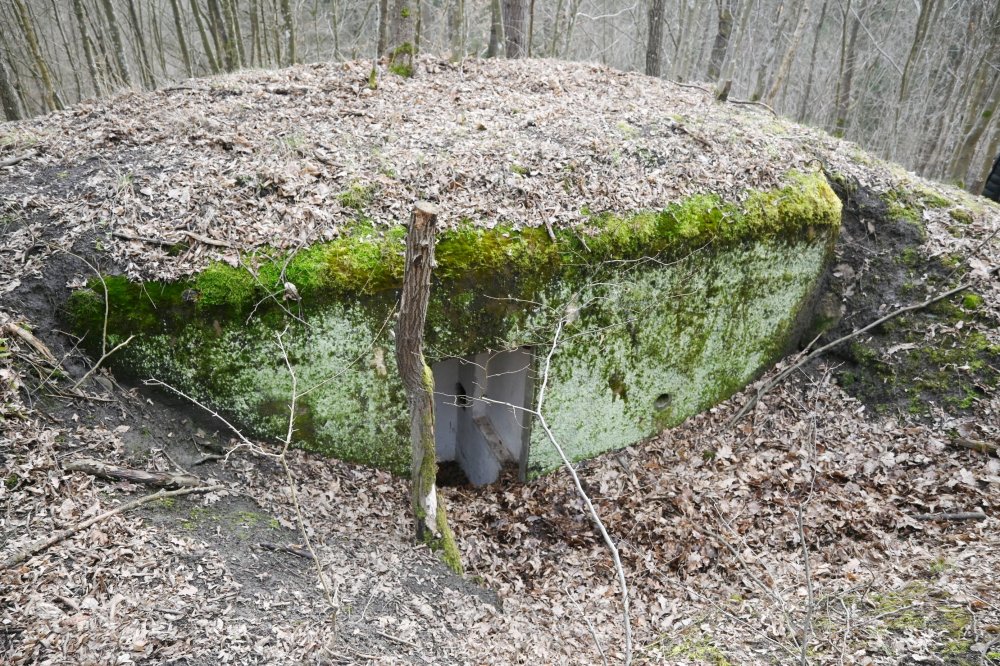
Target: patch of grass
[[358, 196], [696, 648]]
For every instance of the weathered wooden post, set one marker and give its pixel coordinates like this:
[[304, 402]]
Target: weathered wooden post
[[428, 508]]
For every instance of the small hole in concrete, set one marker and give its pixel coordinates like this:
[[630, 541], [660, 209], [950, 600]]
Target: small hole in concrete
[[462, 398], [662, 402]]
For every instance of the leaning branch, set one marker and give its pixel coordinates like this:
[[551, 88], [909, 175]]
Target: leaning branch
[[42, 544], [850, 336], [619, 569]]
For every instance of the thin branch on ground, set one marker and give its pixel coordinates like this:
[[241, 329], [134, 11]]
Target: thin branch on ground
[[590, 626], [36, 344], [958, 516], [753, 577], [100, 361], [807, 622], [104, 470], [41, 545]]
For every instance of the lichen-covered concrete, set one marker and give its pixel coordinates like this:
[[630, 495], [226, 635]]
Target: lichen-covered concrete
[[667, 313]]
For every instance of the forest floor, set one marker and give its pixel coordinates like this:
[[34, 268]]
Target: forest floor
[[799, 535]]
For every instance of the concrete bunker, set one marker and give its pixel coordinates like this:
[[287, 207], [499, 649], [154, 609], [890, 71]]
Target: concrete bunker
[[480, 409]]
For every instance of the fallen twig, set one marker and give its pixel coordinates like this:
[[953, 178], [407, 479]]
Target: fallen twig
[[830, 345], [42, 544], [104, 470], [101, 360], [17, 159], [397, 639], [747, 102], [145, 239], [208, 457], [957, 516], [208, 241], [36, 344], [616, 558], [294, 550], [975, 445]]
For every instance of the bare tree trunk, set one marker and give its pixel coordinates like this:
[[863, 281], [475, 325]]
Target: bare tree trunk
[[232, 20], [804, 101], [402, 37], [941, 94], [515, 28], [848, 41], [8, 96], [772, 49], [556, 18], [383, 28], [574, 11], [923, 21], [66, 44], [223, 37], [496, 30], [927, 8], [531, 24], [729, 64], [289, 27], [786, 61], [140, 43], [418, 32], [654, 42], [181, 40], [980, 104], [118, 46], [981, 116], [722, 35], [49, 95], [431, 524], [155, 24], [88, 53], [206, 43], [984, 172], [254, 59], [456, 28]]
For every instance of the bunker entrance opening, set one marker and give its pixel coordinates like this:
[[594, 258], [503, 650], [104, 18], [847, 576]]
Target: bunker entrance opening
[[481, 424]]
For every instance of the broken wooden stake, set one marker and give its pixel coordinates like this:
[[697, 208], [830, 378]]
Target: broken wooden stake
[[418, 380]]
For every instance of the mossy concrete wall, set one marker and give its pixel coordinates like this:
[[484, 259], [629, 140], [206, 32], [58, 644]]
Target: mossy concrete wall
[[669, 312]]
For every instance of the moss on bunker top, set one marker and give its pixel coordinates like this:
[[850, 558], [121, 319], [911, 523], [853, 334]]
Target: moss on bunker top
[[368, 260], [261, 161]]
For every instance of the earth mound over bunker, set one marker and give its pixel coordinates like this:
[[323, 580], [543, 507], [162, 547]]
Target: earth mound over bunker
[[682, 248]]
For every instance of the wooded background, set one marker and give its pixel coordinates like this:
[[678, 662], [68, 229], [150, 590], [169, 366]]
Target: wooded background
[[915, 82]]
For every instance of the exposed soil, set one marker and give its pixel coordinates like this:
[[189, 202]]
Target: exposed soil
[[934, 357]]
